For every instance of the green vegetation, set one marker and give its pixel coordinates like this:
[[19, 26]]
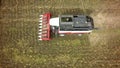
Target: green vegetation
[[20, 48]]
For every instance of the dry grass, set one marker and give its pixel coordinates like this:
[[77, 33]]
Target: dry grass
[[20, 48]]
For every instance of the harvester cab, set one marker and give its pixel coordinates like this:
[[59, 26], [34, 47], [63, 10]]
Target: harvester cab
[[64, 24]]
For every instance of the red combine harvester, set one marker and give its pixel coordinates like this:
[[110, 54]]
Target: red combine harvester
[[64, 24]]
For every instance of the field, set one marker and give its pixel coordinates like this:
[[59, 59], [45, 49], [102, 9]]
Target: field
[[20, 47]]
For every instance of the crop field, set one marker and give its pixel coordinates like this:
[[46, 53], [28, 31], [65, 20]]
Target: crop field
[[20, 47]]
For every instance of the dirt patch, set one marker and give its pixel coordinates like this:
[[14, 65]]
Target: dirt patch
[[107, 21]]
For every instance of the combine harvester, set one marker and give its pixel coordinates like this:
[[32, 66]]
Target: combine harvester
[[64, 24]]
